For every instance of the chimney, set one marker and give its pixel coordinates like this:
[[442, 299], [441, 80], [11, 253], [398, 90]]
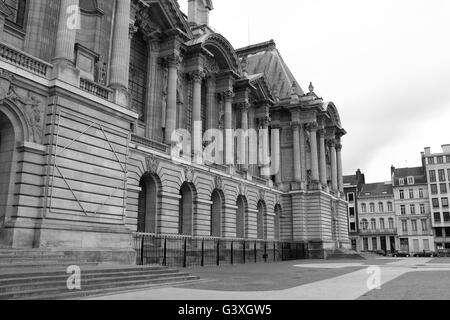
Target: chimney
[[424, 164], [198, 12], [427, 151]]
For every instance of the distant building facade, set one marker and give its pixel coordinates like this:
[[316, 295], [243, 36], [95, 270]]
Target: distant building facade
[[412, 208], [438, 175], [352, 188], [377, 223]]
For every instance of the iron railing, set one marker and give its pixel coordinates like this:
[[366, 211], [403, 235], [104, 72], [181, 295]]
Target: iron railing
[[188, 251]]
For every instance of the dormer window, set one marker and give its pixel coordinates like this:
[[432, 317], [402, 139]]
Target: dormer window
[[401, 181], [410, 180]]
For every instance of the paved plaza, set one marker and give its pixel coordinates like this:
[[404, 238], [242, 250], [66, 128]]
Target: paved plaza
[[399, 278]]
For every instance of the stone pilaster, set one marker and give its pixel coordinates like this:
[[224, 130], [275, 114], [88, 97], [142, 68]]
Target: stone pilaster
[[197, 125], [211, 103], [340, 177], [120, 53], [334, 182], [276, 154], [314, 154], [322, 162], [265, 157], [297, 160], [253, 144], [64, 56], [244, 139], [228, 147], [153, 118], [171, 109]]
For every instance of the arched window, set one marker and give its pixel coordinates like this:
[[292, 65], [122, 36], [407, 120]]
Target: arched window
[[260, 220], [241, 214], [389, 206], [216, 213], [380, 207], [372, 207], [391, 223], [148, 204], [364, 224], [373, 224], [137, 83], [363, 208], [382, 225], [185, 221]]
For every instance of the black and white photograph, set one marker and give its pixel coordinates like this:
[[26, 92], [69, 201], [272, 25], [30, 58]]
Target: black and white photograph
[[223, 155]]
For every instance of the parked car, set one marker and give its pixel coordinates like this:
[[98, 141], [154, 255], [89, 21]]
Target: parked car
[[401, 254], [425, 254], [381, 253]]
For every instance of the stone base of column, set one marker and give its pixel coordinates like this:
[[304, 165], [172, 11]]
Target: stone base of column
[[315, 185], [64, 71], [121, 97]]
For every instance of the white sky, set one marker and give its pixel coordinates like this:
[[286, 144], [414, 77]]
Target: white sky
[[384, 63]]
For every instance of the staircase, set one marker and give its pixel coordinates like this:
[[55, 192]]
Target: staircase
[[40, 274]]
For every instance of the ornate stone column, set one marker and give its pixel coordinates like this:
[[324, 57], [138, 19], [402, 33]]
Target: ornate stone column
[[252, 143], [211, 103], [314, 154], [171, 109], [323, 159], [153, 118], [297, 161], [228, 147], [244, 139], [265, 157], [303, 156], [65, 36], [276, 154], [120, 53], [334, 182], [340, 177], [197, 126]]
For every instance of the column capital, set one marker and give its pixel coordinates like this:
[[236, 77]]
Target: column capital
[[312, 126], [228, 95], [331, 143], [132, 29], [244, 106], [197, 76], [338, 147], [173, 60], [321, 133], [296, 125]]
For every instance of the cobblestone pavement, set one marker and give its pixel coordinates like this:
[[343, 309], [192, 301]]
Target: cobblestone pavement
[[407, 278]]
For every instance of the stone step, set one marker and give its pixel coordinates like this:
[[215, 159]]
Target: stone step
[[56, 293], [84, 275], [99, 281], [44, 264], [85, 270]]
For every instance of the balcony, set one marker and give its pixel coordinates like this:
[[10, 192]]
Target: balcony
[[378, 232], [24, 60], [95, 89]]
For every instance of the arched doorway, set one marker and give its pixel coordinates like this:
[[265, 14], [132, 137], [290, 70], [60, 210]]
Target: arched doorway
[[7, 142], [260, 220], [148, 206], [216, 213], [276, 224], [186, 210], [241, 215]]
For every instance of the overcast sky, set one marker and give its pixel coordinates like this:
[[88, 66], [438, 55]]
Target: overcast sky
[[384, 63]]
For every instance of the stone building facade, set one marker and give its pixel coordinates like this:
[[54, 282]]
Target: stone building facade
[[105, 113]]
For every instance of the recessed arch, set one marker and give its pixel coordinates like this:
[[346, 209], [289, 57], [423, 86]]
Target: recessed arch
[[188, 197], [241, 217], [149, 203], [333, 113], [261, 216], [217, 210]]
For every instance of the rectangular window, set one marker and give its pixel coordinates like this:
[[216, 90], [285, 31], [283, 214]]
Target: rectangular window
[[434, 189], [380, 207], [350, 197], [402, 194], [363, 208], [374, 244], [435, 202], [440, 159], [432, 174], [447, 159], [391, 223], [441, 173], [431, 160], [410, 180], [404, 226], [382, 226], [401, 182], [438, 232], [403, 209], [18, 11], [422, 209], [424, 225], [390, 207], [351, 212], [443, 187], [414, 225], [412, 209], [352, 227], [444, 202], [437, 217], [411, 194], [446, 216], [421, 193], [372, 207]]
